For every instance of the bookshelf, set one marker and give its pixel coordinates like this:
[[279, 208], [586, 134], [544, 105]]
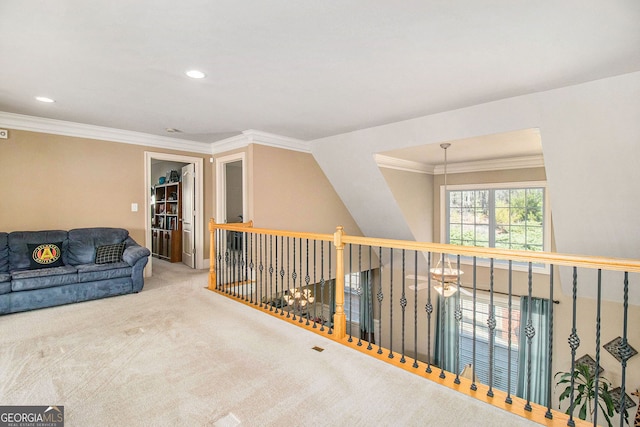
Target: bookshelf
[[166, 222]]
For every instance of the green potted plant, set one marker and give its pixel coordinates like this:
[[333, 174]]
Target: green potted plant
[[584, 393]]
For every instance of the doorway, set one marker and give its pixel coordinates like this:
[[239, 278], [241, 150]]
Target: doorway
[[231, 189], [167, 168]]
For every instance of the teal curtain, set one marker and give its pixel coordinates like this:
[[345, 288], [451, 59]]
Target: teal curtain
[[447, 359], [366, 303], [538, 309]]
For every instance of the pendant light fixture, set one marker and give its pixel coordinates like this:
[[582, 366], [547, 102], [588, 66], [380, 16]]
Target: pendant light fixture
[[446, 278]]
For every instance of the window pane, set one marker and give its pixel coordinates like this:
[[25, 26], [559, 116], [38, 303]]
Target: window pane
[[503, 216], [482, 216], [517, 213], [502, 198], [455, 199], [468, 199], [482, 235]]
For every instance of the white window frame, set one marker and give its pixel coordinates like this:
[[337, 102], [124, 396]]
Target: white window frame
[[444, 220]]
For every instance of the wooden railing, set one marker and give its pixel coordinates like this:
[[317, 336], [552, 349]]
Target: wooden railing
[[242, 266]]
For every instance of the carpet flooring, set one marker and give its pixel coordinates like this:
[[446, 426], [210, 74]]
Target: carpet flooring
[[177, 354]]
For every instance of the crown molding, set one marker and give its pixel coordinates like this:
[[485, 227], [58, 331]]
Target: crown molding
[[79, 130], [462, 167], [523, 162], [401, 164], [252, 136]]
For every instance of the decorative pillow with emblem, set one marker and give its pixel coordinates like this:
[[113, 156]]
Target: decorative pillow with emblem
[[108, 254], [45, 255]]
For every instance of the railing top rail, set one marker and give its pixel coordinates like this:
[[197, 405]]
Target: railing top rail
[[570, 260], [244, 227], [586, 261]]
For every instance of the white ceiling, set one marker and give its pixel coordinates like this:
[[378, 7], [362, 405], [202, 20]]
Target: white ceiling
[[298, 69]]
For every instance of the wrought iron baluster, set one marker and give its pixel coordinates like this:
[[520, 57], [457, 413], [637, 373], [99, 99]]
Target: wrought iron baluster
[[509, 400], [530, 332], [282, 273], [277, 298], [245, 265], [251, 267], [332, 292], [429, 310], [549, 414], [380, 297], [236, 270], [442, 314], [474, 387], [574, 343], [226, 271], [270, 297], [301, 314], [596, 370], [491, 323], [391, 305], [218, 267], [415, 310], [307, 280], [458, 317], [315, 284], [288, 270], [403, 306], [370, 300], [294, 276], [322, 283], [349, 318], [360, 293], [624, 350], [261, 295]]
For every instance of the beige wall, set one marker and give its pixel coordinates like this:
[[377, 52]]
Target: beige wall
[[63, 182], [414, 194], [290, 192]]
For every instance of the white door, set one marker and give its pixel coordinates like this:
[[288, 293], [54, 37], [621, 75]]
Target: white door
[[188, 215]]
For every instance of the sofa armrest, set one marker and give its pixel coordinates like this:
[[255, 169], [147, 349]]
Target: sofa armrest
[[133, 253]]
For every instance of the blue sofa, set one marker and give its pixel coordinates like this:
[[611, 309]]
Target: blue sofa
[[46, 268]]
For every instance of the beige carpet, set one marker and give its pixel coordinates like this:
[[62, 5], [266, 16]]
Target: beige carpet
[[179, 355]]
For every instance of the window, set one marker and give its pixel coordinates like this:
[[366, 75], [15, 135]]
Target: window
[[506, 217], [501, 350]]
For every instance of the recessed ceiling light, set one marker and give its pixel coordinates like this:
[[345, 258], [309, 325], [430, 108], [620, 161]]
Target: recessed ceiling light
[[44, 99], [173, 130], [195, 74]]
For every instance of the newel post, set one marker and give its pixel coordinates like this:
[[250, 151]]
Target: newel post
[[212, 255], [339, 318]]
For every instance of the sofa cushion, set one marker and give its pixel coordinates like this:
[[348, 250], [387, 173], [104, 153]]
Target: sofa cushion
[[45, 255], [4, 253], [43, 278], [84, 241], [5, 283], [107, 254], [19, 254], [92, 272]]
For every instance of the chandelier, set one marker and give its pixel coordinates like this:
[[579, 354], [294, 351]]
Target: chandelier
[[299, 299], [446, 278]]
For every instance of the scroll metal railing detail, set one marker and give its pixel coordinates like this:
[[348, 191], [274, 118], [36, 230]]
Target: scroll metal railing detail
[[301, 277]]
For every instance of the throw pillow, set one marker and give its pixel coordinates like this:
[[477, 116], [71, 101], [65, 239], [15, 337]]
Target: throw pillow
[[45, 255], [108, 254]]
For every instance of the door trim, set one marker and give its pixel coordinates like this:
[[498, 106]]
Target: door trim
[[199, 235]]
